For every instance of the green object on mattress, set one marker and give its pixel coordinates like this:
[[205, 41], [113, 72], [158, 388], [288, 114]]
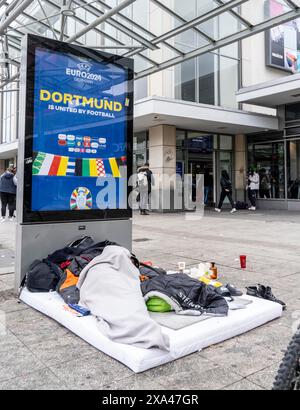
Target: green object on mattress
[[156, 304]]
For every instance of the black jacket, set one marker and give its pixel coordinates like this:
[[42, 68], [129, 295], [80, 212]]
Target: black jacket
[[185, 295], [226, 184]]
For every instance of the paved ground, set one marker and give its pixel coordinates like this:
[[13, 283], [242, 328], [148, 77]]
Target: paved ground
[[38, 353]]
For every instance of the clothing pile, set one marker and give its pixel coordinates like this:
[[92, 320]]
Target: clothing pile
[[108, 281]]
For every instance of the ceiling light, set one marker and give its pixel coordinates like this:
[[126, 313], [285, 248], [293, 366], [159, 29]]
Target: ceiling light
[[67, 12]]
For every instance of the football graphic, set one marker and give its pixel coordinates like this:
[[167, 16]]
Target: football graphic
[[81, 199]]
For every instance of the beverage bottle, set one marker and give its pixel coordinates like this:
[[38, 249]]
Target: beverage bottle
[[213, 271]]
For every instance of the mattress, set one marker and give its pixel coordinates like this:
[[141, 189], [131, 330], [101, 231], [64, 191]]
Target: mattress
[[183, 342]]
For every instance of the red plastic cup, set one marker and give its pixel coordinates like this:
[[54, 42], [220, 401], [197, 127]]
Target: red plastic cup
[[243, 260]]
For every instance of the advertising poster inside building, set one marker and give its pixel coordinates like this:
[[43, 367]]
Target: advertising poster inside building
[[282, 42], [80, 114]]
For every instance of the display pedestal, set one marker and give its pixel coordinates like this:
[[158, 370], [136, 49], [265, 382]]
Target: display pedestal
[[37, 241]]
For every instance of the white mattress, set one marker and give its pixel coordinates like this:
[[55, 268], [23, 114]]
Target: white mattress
[[183, 341]]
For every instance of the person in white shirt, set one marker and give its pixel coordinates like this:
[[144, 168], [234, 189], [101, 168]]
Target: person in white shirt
[[253, 188]]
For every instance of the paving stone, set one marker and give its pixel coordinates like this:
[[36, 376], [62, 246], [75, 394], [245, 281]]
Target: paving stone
[[244, 384], [9, 341], [4, 286], [212, 379], [273, 337], [18, 361], [265, 377], [40, 380], [91, 373], [12, 305], [244, 359], [31, 326], [9, 279], [64, 349], [135, 382], [193, 372]]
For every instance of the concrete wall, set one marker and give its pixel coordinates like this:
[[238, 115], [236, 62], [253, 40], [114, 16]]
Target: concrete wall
[[162, 158]]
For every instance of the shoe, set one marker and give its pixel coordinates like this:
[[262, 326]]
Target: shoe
[[11, 219], [268, 295], [264, 292], [254, 291], [2, 219], [252, 208], [224, 292], [233, 290], [233, 210], [218, 210]]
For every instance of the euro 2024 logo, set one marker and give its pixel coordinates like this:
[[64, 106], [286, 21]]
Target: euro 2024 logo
[[84, 67]]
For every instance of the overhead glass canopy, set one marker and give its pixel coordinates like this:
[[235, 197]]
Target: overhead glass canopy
[[158, 34]]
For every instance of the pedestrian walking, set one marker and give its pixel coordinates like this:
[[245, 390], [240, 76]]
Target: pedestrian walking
[[150, 179], [226, 186], [143, 189], [8, 189], [253, 188]]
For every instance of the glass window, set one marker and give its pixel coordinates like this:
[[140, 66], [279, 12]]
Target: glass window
[[226, 142], [268, 159], [292, 112], [185, 81], [207, 78], [186, 9], [140, 149], [228, 82], [180, 138], [141, 88], [226, 162], [293, 169]]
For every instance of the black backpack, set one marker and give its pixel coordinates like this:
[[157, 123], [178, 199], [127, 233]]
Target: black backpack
[[242, 205], [42, 277]]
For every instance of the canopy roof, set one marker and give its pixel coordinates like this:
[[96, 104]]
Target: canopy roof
[[158, 34]]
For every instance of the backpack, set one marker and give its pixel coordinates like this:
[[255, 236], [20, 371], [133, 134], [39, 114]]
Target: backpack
[[42, 277], [142, 179], [242, 205]]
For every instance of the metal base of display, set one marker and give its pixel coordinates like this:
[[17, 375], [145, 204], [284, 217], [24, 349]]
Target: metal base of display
[[37, 241]]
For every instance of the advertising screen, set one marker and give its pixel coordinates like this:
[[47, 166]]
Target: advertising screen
[[282, 42], [80, 145]]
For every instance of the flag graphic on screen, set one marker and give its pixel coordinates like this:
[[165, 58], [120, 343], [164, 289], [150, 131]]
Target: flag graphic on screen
[[100, 168], [55, 165], [71, 167]]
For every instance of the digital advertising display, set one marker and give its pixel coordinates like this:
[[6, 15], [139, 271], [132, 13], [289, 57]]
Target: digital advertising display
[[283, 41], [79, 132]]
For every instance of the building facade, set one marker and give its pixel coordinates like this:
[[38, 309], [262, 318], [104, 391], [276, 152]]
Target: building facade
[[199, 117]]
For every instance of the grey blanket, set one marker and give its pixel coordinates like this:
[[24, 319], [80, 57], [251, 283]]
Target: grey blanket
[[110, 288]]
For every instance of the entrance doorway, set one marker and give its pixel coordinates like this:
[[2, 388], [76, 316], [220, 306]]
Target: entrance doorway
[[203, 164]]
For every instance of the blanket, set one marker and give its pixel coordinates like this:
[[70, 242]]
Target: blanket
[[110, 288]]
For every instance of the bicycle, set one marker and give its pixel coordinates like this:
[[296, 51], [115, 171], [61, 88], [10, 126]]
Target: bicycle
[[288, 376]]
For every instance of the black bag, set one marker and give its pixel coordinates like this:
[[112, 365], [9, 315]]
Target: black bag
[[42, 277], [242, 205]]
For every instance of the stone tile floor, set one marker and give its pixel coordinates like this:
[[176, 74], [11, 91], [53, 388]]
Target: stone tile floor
[[38, 353]]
